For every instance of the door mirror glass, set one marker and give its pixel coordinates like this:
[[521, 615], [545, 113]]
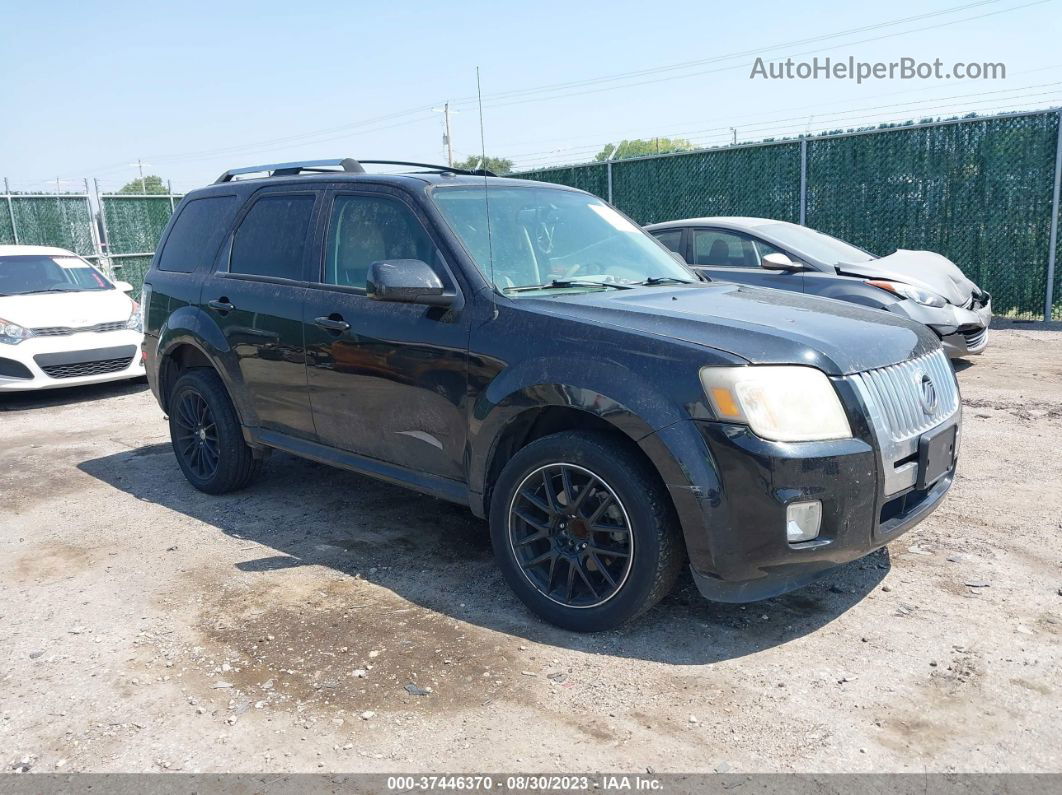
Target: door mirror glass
[[125, 287], [778, 262], [407, 281]]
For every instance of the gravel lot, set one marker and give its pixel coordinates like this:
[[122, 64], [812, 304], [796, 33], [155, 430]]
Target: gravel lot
[[147, 626]]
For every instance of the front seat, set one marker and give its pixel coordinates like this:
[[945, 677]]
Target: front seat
[[719, 254]]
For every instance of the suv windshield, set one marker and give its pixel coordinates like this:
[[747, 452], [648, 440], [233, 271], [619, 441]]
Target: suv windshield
[[816, 245], [39, 273], [553, 239]]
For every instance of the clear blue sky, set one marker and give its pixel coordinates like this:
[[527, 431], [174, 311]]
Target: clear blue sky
[[197, 87]]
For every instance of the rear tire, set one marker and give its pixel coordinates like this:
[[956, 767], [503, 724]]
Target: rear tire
[[584, 531], [206, 434]]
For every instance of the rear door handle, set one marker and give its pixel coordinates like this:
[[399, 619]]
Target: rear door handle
[[221, 304], [332, 324]]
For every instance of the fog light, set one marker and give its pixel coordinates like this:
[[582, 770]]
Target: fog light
[[802, 520]]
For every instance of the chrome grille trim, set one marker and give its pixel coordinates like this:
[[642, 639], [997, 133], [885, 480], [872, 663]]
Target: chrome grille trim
[[892, 397], [66, 331], [897, 391]]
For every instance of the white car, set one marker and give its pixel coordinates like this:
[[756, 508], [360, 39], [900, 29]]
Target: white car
[[63, 323]]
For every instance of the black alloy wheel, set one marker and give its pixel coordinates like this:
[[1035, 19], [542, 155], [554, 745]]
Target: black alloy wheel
[[571, 535], [207, 437], [196, 435]]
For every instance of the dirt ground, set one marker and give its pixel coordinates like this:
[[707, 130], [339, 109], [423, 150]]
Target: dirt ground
[[146, 626]]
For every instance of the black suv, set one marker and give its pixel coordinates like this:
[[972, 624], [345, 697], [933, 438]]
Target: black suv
[[526, 350]]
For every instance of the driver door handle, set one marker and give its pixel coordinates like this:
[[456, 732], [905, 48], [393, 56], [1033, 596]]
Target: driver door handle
[[332, 324], [221, 304]]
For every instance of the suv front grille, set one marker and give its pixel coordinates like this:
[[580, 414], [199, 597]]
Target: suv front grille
[[65, 331], [897, 392], [98, 367], [900, 412]]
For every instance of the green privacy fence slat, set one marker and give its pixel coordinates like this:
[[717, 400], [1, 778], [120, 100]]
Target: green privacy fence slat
[[134, 225], [7, 231], [63, 221], [591, 178], [760, 180], [132, 270], [978, 192]]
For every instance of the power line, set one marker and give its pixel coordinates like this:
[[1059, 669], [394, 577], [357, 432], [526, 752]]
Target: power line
[[817, 113], [522, 96], [720, 140], [726, 57], [805, 112], [744, 66]]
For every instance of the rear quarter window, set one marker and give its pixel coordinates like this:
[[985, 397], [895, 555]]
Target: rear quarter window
[[196, 234]]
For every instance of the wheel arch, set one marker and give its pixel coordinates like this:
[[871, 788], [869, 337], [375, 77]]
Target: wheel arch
[[191, 339], [525, 417]]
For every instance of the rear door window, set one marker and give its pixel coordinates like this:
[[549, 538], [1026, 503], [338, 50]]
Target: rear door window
[[272, 238], [196, 234]]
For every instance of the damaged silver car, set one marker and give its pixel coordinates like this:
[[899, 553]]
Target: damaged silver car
[[920, 285]]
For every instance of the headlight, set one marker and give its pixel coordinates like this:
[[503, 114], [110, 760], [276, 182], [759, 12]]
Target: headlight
[[13, 333], [781, 403], [136, 318], [923, 297]]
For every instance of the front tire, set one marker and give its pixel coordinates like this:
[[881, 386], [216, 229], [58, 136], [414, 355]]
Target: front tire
[[206, 434], [584, 532]]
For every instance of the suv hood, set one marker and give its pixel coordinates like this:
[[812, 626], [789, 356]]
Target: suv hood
[[925, 269], [759, 325], [73, 310]]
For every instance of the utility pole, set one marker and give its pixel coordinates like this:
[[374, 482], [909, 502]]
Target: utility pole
[[733, 136], [447, 138], [449, 141], [140, 169]]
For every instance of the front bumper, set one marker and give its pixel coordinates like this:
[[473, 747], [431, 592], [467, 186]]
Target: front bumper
[[70, 360], [735, 527], [963, 331]]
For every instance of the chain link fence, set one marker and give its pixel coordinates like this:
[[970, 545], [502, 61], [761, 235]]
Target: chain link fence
[[132, 227], [63, 220], [983, 192], [120, 237]]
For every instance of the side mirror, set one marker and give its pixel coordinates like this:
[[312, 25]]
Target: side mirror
[[406, 281], [779, 262], [125, 287]]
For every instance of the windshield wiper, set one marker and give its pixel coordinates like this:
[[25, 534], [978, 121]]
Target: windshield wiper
[[564, 284], [665, 280], [54, 290]]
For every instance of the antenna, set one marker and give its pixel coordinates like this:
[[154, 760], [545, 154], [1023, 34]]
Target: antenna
[[486, 201]]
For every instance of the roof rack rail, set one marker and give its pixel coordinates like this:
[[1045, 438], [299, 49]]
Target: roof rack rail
[[348, 164], [478, 172]]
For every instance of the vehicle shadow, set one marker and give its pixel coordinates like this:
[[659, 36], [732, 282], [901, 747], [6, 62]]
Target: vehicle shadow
[[67, 396], [438, 556]]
